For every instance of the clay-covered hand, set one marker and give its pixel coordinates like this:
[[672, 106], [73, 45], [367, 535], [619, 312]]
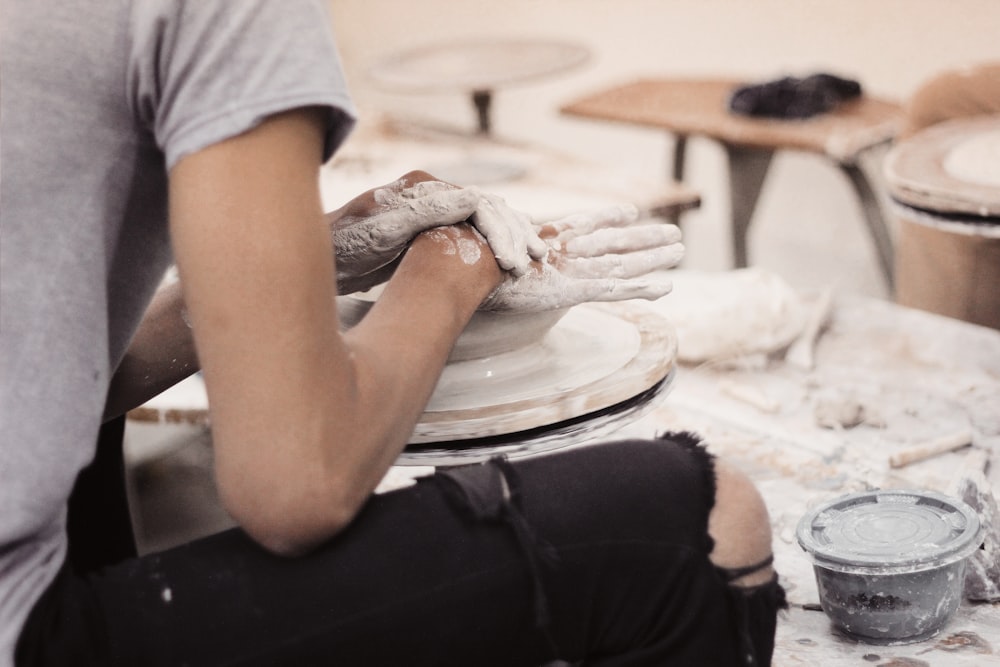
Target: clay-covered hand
[[371, 232], [599, 256]]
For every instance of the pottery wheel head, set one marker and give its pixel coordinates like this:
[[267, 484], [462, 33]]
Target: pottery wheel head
[[487, 334]]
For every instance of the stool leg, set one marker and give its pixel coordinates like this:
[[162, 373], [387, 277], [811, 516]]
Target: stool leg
[[873, 217], [678, 155], [747, 170], [482, 100]]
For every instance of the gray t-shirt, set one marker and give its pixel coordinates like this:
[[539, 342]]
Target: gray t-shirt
[[99, 100]]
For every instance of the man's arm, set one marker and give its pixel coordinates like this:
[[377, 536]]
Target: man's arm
[[370, 233], [305, 420], [160, 355]]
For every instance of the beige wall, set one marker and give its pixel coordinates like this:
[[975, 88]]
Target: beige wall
[[889, 45]]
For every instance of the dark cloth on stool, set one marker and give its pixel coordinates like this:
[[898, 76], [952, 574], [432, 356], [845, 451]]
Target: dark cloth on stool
[[792, 97]]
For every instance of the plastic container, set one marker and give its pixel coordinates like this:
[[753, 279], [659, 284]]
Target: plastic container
[[890, 565]]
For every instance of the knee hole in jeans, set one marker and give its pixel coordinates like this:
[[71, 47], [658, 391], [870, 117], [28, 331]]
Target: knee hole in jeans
[[740, 528]]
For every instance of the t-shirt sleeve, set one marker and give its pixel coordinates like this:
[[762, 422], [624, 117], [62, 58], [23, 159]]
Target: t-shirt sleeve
[[202, 71]]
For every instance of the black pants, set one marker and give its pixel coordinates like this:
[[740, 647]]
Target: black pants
[[596, 555]]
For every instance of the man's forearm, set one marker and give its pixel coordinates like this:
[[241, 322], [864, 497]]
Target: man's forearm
[[162, 354]]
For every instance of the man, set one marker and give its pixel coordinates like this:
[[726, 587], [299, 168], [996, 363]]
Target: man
[[140, 132]]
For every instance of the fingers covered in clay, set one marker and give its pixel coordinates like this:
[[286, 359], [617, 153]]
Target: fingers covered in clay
[[548, 289], [612, 289], [580, 224], [510, 233], [622, 240], [624, 265]]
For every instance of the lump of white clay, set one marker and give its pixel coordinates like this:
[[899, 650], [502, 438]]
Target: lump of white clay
[[724, 315]]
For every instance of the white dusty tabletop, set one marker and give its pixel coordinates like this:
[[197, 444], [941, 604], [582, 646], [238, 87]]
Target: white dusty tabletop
[[885, 379]]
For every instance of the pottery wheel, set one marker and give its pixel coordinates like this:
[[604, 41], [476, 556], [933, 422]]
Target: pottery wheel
[[949, 168], [599, 367]]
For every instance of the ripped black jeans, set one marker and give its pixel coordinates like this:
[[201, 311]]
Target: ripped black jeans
[[597, 556]]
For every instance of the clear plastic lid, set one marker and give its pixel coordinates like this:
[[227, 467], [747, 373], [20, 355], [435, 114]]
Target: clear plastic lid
[[889, 531]]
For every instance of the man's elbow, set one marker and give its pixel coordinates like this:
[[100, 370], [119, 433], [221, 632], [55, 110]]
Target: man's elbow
[[290, 524]]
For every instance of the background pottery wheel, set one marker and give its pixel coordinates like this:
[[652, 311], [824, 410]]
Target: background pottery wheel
[[931, 170], [945, 185]]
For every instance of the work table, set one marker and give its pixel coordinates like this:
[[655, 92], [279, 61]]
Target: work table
[[919, 376]]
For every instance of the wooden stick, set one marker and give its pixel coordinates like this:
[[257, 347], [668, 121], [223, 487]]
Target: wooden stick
[[934, 447], [749, 395]]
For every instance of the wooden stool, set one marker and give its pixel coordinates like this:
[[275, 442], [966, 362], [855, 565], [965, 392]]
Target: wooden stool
[[687, 107]]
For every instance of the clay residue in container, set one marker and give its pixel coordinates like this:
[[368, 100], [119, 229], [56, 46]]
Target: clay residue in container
[[876, 602]]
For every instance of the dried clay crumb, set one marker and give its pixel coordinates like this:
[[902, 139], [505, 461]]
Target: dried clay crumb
[[844, 413]]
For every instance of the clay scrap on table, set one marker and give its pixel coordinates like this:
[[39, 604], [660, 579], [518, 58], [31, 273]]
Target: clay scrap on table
[[982, 576], [723, 316]]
